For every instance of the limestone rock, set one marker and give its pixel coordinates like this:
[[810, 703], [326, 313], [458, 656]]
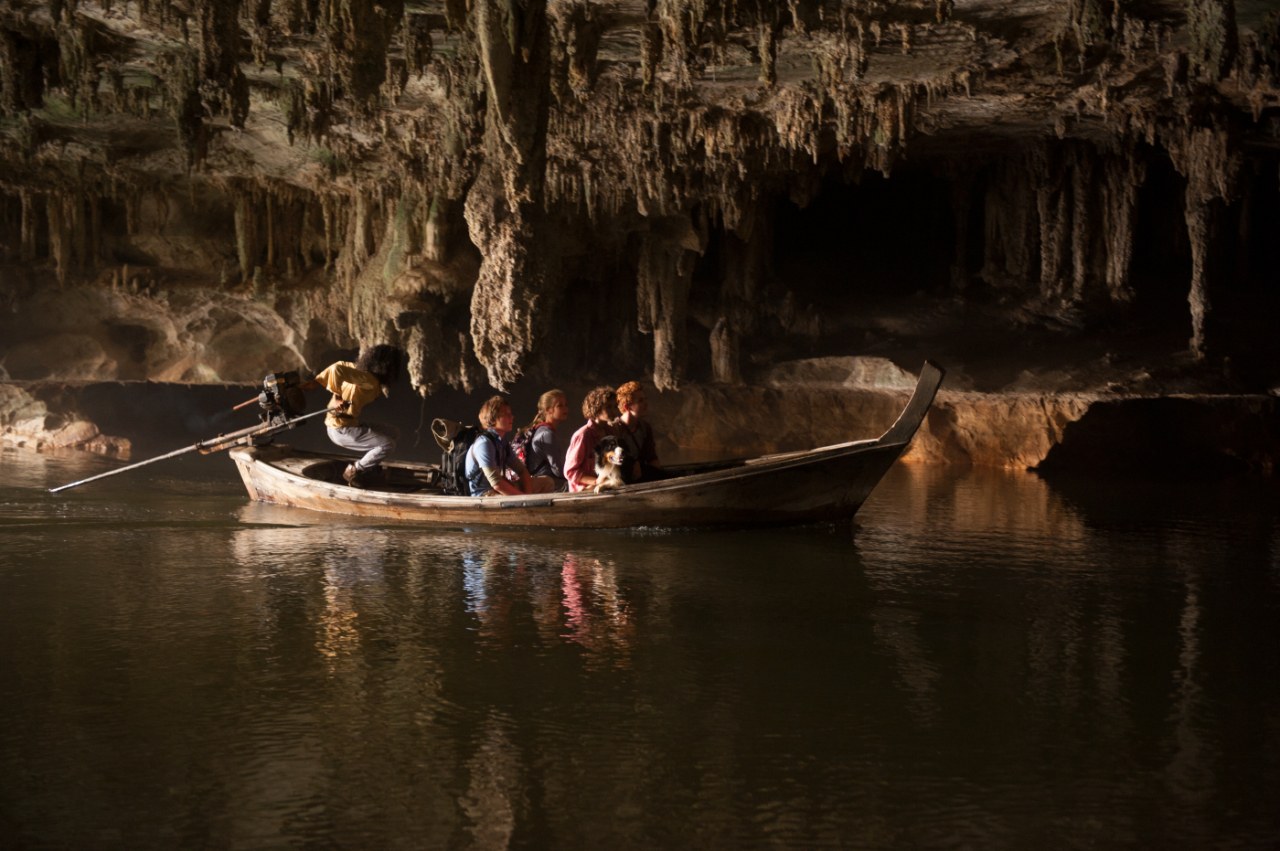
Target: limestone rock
[[27, 421]]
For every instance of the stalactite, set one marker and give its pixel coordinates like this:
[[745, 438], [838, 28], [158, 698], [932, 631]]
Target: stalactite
[[10, 74], [650, 53], [183, 95], [1087, 22], [360, 245], [246, 230], [578, 32], [131, 203], [27, 250], [1208, 158], [797, 17], [224, 90], [435, 238], [59, 244], [86, 243], [1082, 221], [329, 235], [725, 365], [1214, 38], [746, 256], [77, 46], [768, 46], [680, 22], [503, 206], [271, 235], [1122, 178], [1011, 225], [664, 276], [1053, 209], [359, 34], [1202, 218], [308, 108]]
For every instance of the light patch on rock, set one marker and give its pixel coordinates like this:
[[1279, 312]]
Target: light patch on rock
[[838, 373], [197, 334]]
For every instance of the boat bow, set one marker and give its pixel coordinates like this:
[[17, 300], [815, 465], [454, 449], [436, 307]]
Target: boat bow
[[908, 422]]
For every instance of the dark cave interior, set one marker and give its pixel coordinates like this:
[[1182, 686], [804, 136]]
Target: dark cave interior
[[877, 259]]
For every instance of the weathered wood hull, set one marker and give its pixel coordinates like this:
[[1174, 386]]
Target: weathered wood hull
[[828, 483]]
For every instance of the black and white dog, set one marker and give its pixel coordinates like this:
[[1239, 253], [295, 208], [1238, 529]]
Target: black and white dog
[[612, 464]]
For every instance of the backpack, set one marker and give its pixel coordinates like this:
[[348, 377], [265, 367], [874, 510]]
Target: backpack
[[453, 463], [521, 440]]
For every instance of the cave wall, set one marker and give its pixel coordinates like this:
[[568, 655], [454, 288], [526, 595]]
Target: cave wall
[[684, 191]]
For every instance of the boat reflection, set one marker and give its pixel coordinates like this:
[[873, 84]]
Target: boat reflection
[[573, 598]]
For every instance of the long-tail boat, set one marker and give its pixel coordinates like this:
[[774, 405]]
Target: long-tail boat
[[828, 483]]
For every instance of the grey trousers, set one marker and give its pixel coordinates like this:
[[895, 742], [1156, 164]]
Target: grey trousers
[[375, 440]]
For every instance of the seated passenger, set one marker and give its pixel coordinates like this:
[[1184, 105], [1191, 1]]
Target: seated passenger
[[492, 465], [547, 444], [635, 434], [580, 462]]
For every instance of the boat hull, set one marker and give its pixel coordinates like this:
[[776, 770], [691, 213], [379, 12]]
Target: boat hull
[[797, 493]]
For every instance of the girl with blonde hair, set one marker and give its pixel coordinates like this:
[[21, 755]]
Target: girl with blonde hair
[[543, 444]]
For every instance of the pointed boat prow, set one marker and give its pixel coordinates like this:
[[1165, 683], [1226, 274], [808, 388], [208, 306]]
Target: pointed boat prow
[[913, 414]]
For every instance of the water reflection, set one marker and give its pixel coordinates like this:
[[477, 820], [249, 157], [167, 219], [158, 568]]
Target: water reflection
[[597, 618], [1189, 772], [492, 800], [988, 661]]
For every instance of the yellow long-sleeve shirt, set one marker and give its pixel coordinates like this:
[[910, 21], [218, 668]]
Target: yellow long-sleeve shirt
[[352, 385]]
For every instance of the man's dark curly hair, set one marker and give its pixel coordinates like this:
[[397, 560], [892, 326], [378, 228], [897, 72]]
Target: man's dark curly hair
[[383, 362]]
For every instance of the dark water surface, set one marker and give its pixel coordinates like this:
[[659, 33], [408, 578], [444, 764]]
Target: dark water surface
[[986, 661]]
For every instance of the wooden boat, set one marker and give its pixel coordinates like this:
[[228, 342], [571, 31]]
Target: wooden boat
[[823, 484]]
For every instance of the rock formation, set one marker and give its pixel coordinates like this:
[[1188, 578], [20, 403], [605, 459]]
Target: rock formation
[[687, 190]]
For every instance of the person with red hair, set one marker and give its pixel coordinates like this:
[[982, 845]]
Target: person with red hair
[[636, 434]]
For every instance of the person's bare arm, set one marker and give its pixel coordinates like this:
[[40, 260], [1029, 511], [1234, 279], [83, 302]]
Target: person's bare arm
[[499, 482]]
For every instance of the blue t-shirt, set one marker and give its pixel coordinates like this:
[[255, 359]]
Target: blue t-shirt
[[545, 453], [489, 450]]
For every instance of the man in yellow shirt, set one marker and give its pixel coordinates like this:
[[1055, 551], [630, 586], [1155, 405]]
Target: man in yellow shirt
[[353, 386]]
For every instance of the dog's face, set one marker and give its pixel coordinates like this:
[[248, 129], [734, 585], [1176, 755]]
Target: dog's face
[[611, 460], [609, 453]]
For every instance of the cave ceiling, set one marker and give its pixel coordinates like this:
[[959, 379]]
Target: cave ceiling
[[191, 190]]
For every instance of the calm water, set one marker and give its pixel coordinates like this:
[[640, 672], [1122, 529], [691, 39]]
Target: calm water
[[986, 661]]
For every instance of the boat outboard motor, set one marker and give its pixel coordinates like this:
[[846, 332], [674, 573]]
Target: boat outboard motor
[[282, 398]]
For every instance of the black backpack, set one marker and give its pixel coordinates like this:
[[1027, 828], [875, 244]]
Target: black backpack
[[453, 464]]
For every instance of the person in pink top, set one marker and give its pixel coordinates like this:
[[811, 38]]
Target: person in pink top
[[599, 408]]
